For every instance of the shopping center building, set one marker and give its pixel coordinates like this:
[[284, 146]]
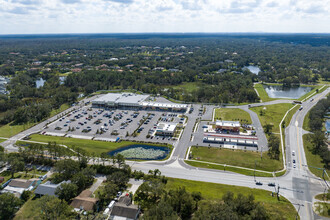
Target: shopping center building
[[135, 101]]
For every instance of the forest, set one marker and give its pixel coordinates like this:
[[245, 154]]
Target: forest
[[316, 123], [213, 65]]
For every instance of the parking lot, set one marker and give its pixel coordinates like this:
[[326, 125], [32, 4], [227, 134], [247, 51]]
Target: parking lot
[[108, 125]]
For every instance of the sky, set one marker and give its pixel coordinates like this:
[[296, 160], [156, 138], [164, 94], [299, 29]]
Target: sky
[[151, 16]]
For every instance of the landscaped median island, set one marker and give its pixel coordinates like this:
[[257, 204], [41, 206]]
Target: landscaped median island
[[282, 209], [232, 114], [322, 209], [98, 147]]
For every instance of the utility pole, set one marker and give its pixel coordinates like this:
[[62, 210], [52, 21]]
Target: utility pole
[[254, 173], [278, 192], [299, 205]]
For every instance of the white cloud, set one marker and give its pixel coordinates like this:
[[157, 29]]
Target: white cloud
[[106, 16]]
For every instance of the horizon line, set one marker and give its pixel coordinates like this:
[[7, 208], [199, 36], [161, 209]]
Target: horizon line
[[182, 33]]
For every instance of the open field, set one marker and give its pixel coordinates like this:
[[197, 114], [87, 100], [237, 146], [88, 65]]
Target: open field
[[90, 146], [282, 209], [188, 86], [10, 130], [232, 114], [236, 158], [312, 159], [272, 114], [262, 93]]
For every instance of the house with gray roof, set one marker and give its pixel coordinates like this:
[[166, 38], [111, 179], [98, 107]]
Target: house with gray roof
[[125, 210], [48, 188]]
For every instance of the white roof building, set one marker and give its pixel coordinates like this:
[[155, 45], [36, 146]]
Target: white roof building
[[135, 100], [228, 123], [166, 128], [120, 99]]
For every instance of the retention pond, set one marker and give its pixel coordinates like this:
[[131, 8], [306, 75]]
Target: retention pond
[[142, 152]]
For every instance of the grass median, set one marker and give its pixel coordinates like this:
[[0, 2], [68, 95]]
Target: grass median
[[282, 209], [239, 158], [226, 168], [232, 114]]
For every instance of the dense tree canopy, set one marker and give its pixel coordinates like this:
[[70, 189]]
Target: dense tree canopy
[[213, 65]]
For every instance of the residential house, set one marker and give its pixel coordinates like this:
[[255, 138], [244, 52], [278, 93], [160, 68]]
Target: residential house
[[84, 201], [124, 210], [47, 188], [18, 186]]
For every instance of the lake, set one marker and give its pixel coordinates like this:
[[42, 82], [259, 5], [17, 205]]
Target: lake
[[40, 83], [142, 152], [286, 93], [253, 69]]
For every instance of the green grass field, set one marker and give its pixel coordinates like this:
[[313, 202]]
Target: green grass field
[[188, 86], [272, 114], [10, 130], [229, 169], [90, 146], [262, 93], [236, 158], [2, 140], [232, 114], [312, 159], [282, 209]]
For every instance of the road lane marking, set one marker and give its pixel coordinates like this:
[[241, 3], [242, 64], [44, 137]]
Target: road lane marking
[[298, 140]]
